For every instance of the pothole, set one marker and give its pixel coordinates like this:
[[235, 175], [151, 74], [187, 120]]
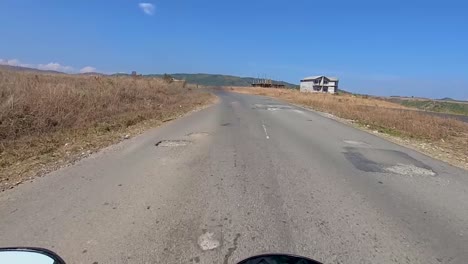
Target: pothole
[[356, 143], [226, 124], [208, 241], [409, 169], [271, 107], [386, 161], [172, 143], [198, 134]]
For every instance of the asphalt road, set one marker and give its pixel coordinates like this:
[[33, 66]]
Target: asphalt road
[[248, 175]]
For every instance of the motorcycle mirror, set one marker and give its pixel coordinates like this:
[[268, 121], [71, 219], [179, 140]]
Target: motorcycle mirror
[[278, 259], [29, 256]]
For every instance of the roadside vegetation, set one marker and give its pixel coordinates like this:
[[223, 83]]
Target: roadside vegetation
[[445, 138], [56, 118]]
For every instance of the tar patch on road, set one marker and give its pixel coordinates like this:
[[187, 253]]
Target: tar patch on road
[[172, 143], [386, 161]]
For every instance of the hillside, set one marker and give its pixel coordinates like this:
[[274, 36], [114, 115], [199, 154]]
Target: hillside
[[444, 105], [438, 106]]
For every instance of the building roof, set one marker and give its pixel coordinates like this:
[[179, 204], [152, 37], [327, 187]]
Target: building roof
[[333, 79]]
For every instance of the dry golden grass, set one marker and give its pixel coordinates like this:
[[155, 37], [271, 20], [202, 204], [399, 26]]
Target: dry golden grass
[[45, 118], [386, 117]]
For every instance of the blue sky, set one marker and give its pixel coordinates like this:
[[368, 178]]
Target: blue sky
[[380, 47]]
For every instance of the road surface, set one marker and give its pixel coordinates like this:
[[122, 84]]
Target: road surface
[[248, 175]]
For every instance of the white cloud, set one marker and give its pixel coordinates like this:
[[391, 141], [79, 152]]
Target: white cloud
[[88, 69], [14, 62], [148, 8], [54, 66]]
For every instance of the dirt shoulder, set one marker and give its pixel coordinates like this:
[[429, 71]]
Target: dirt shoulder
[[48, 121], [442, 138]]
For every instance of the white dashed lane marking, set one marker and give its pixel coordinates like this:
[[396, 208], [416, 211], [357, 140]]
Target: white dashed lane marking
[[266, 133]]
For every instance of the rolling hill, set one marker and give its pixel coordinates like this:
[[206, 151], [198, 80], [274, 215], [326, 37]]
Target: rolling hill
[[197, 78], [217, 79], [25, 69]]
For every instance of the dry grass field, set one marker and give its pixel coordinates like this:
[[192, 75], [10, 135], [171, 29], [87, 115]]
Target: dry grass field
[[444, 138], [52, 118]]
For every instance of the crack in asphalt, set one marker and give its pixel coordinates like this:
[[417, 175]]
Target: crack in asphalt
[[231, 249]]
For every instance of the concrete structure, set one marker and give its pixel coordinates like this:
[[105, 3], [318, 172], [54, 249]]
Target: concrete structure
[[319, 84], [266, 83]]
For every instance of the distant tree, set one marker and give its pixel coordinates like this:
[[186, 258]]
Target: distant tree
[[168, 78]]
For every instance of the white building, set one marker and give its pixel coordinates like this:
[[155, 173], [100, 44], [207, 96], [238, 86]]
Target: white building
[[319, 84]]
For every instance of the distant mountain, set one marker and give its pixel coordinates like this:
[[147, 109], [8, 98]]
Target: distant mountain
[[92, 74], [25, 69], [217, 79], [447, 99]]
